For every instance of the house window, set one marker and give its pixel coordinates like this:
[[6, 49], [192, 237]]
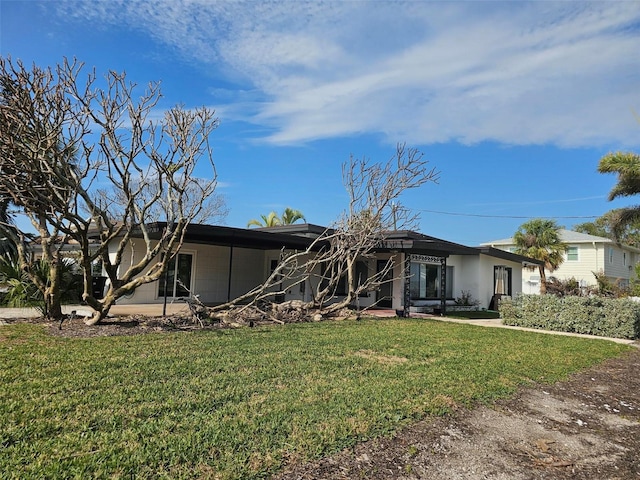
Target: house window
[[361, 276], [624, 258], [572, 254], [502, 280], [425, 281], [178, 277], [610, 254]]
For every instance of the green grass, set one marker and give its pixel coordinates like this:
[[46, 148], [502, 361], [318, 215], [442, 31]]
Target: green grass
[[241, 403]]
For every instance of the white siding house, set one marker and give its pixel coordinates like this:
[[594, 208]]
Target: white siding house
[[586, 254], [221, 263]]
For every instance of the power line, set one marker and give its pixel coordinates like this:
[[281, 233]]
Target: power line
[[505, 216]]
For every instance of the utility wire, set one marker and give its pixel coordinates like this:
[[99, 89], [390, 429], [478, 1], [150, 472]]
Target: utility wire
[[503, 216]]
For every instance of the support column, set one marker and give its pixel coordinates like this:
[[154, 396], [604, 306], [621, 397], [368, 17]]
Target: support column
[[406, 313], [443, 286], [230, 270]]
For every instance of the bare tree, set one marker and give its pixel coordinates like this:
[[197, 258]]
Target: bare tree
[[93, 165], [374, 212], [30, 150]]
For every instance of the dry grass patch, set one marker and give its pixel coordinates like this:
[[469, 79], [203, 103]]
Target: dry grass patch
[[380, 357]]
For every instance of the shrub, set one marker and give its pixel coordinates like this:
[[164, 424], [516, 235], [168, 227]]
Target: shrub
[[20, 291], [466, 299], [569, 286], [611, 288], [608, 317]]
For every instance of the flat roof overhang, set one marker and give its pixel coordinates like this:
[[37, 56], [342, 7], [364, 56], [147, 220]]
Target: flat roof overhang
[[514, 257], [276, 239], [417, 243], [237, 237]]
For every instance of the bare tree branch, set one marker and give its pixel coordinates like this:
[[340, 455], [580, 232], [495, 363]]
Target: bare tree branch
[[374, 210], [92, 165]]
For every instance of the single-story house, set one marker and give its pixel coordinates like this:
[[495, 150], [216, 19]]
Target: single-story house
[[220, 263], [585, 255]]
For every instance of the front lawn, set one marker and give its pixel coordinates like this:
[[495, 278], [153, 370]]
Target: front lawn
[[241, 403]]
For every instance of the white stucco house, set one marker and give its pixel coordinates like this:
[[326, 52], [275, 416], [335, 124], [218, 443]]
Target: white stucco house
[[586, 254], [220, 263]]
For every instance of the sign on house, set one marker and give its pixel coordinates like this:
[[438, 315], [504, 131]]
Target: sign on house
[[425, 258]]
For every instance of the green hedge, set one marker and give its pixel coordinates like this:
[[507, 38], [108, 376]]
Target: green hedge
[[607, 317]]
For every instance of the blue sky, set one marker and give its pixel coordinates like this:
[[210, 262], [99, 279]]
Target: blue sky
[[513, 102]]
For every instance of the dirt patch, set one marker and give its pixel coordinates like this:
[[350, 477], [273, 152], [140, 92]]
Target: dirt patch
[[587, 427], [126, 325]]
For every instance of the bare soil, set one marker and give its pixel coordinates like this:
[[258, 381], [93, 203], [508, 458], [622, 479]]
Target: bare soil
[[587, 427]]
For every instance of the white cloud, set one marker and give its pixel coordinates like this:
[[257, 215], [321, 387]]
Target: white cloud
[[564, 73]]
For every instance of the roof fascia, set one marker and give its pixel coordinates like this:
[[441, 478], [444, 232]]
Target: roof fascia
[[514, 257]]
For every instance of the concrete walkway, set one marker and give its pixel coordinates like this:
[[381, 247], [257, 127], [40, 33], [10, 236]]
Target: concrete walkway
[[180, 307], [496, 322]]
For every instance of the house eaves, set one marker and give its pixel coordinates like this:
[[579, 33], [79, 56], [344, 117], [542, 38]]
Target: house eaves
[[236, 237], [301, 229], [302, 236], [569, 237], [513, 257], [419, 243]]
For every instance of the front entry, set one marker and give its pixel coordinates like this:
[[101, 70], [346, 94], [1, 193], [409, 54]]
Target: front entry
[[384, 296]]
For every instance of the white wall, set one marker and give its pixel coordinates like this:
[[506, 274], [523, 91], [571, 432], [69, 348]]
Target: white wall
[[618, 268], [471, 273], [590, 259], [487, 264], [209, 273], [467, 275]]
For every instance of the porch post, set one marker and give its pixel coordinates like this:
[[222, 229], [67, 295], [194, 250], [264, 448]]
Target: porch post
[[443, 286], [230, 270], [406, 303]]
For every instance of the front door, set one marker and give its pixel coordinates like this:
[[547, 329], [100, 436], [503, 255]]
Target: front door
[[384, 296]]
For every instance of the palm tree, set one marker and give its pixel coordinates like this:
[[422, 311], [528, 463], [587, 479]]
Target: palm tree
[[540, 239], [270, 220], [289, 216], [627, 166]]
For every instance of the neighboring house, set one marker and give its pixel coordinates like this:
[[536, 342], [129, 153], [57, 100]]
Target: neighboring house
[[586, 254], [220, 263]]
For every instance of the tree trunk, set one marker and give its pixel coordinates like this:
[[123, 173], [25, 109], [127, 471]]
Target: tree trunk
[[101, 307], [53, 308], [543, 280], [51, 294], [95, 319]]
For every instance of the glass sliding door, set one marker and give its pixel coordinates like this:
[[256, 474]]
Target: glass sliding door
[[425, 281], [178, 277]]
